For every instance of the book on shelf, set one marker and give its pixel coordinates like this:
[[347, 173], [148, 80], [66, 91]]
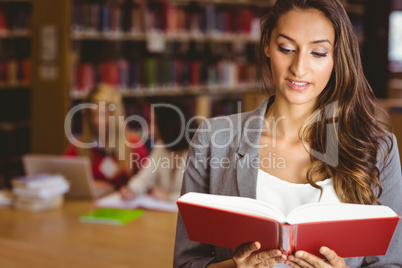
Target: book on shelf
[[114, 200], [14, 73], [164, 16], [157, 72], [351, 230], [114, 216], [3, 21]]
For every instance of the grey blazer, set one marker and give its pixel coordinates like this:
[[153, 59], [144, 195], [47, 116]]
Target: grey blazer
[[223, 159]]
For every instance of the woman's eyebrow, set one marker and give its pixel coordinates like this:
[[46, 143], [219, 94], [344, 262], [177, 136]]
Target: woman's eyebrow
[[313, 42]]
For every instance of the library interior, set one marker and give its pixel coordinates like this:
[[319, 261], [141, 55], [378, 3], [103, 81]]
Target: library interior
[[136, 57]]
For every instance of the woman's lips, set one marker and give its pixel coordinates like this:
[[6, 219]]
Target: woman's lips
[[297, 85]]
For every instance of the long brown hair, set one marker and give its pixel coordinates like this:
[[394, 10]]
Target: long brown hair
[[109, 95], [356, 131]]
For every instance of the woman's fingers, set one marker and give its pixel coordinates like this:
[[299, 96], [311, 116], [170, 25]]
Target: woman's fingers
[[245, 251], [307, 260], [302, 260], [332, 258], [245, 256], [126, 194]]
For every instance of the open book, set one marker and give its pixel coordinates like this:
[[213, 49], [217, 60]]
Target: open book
[[114, 200], [350, 230]]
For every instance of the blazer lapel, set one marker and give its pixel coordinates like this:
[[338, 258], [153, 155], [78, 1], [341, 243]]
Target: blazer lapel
[[248, 152]]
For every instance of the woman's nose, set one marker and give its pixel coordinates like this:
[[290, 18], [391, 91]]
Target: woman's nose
[[299, 65]]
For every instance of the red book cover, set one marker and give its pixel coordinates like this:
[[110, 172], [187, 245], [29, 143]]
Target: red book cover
[[109, 72], [195, 73], [246, 21], [85, 77], [348, 238], [171, 18], [227, 22], [3, 21]]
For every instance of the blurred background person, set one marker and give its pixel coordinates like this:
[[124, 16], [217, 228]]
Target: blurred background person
[[162, 175], [108, 169]]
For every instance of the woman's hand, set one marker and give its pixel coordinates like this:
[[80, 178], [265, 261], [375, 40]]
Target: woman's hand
[[244, 256], [159, 193], [126, 193], [304, 259]]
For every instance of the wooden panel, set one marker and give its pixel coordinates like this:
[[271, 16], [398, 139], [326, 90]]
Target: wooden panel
[[50, 73]]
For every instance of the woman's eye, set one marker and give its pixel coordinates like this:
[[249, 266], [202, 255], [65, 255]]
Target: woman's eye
[[285, 50], [319, 55]]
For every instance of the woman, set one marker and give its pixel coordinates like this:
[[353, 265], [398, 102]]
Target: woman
[[115, 145], [162, 175], [323, 128]]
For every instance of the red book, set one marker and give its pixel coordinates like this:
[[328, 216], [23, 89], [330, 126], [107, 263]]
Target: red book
[[195, 73], [26, 71], [3, 21], [109, 73], [350, 230], [85, 77], [246, 19]]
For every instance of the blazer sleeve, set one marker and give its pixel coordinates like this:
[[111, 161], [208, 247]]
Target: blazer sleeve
[[391, 182], [196, 179]]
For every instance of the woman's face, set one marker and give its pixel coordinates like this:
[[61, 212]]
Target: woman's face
[[301, 53]]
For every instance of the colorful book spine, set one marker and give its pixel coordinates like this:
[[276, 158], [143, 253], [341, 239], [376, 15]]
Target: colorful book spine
[[163, 16], [154, 72]]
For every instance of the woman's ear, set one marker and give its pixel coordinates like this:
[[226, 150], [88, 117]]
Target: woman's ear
[[267, 50]]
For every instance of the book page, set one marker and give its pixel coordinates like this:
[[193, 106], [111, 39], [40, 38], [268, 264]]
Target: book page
[[237, 204], [316, 212], [114, 200]]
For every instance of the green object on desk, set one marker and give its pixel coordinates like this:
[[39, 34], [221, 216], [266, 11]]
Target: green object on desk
[[115, 216]]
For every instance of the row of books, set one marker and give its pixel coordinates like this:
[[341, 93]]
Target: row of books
[[15, 18], [164, 16], [159, 72], [39, 192], [15, 72]]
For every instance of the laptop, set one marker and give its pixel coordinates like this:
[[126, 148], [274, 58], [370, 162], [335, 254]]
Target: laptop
[[77, 170]]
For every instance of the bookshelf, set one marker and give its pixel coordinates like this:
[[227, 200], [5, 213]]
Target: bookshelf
[[131, 43], [193, 49], [15, 85]]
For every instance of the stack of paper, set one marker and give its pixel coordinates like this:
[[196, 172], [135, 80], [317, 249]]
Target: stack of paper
[[39, 192]]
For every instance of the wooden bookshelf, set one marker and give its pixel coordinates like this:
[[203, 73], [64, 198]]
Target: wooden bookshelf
[[57, 95], [178, 91], [15, 85], [16, 34], [91, 30], [169, 37], [50, 75]]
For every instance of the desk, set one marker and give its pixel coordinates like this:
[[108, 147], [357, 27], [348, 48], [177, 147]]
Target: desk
[[56, 239]]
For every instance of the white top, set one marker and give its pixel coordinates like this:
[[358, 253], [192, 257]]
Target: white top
[[287, 196], [163, 168]]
